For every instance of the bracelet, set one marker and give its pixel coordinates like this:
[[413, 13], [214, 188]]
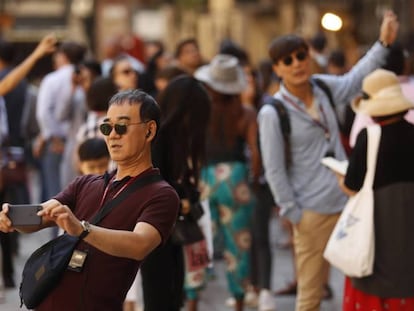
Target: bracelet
[[384, 44]]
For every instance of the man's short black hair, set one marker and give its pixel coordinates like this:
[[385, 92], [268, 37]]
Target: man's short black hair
[[285, 45], [150, 110], [93, 149]]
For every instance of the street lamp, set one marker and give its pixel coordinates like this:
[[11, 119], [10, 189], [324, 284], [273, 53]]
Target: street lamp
[[331, 22]]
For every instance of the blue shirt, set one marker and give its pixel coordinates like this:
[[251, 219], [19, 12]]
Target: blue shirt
[[307, 184]]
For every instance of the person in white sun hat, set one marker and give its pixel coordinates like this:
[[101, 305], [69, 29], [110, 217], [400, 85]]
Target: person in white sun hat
[[391, 286]]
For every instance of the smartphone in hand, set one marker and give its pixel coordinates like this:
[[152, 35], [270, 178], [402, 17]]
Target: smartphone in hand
[[24, 214]]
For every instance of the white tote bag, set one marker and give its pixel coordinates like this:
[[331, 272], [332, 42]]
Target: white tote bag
[[351, 245]]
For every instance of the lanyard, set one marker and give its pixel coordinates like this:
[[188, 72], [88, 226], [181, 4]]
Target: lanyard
[[314, 121], [118, 192]]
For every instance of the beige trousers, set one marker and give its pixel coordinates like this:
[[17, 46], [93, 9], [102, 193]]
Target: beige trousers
[[310, 237]]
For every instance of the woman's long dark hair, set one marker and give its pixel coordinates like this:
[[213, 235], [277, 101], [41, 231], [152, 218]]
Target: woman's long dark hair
[[185, 112], [225, 114]]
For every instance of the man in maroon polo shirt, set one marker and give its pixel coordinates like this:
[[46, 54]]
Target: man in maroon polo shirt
[[142, 222]]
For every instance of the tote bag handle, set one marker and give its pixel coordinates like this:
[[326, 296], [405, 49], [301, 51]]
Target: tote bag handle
[[374, 135]]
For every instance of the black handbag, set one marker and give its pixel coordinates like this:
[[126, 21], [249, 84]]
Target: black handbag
[[46, 266], [186, 230]]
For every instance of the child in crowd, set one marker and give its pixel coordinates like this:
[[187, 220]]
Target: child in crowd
[[93, 156]]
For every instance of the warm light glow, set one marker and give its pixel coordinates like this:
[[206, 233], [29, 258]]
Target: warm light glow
[[331, 22]]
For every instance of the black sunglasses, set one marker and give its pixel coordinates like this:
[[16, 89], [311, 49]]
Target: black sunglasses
[[120, 129], [300, 56]]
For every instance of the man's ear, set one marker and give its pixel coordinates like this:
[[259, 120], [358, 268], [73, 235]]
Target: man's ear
[[152, 130]]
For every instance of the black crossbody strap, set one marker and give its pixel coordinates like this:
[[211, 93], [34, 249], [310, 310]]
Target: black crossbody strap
[[284, 127], [320, 83], [108, 206]]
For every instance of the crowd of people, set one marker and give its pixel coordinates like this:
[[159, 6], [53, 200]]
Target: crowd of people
[[231, 141]]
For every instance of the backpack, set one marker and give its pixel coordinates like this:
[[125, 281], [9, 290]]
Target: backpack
[[285, 121]]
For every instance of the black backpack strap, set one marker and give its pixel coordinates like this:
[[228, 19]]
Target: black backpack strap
[[325, 88], [284, 127], [108, 206]]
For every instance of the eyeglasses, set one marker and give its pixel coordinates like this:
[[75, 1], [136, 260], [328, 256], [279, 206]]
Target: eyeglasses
[[120, 129], [300, 56]]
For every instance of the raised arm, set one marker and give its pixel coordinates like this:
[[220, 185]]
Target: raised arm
[[344, 88], [46, 46]]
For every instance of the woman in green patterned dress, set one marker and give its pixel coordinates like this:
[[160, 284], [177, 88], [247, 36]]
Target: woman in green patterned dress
[[233, 162]]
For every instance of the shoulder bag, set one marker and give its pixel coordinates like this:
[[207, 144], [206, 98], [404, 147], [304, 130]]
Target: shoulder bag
[[351, 245]]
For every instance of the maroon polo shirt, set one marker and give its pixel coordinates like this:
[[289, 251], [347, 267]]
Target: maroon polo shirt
[[105, 279]]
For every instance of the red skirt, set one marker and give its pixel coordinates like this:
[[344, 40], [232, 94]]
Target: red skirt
[[356, 300]]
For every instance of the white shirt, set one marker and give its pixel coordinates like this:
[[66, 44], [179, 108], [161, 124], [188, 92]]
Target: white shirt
[[55, 87]]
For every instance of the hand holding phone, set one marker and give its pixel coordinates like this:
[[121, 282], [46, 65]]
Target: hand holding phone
[[24, 214]]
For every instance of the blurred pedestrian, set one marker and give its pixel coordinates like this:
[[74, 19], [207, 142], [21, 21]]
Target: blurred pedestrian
[[74, 111], [113, 50], [178, 152], [14, 89], [306, 192], [258, 293], [391, 285], [97, 99], [187, 55], [123, 74], [55, 90], [226, 176]]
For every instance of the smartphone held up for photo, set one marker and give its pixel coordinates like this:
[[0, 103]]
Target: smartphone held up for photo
[[24, 214]]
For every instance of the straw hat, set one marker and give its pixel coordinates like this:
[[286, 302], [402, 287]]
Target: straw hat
[[382, 95], [223, 75]]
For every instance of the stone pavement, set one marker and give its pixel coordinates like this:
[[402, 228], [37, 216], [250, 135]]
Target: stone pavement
[[214, 296]]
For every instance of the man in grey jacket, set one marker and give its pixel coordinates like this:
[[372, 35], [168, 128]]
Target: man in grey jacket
[[306, 191]]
